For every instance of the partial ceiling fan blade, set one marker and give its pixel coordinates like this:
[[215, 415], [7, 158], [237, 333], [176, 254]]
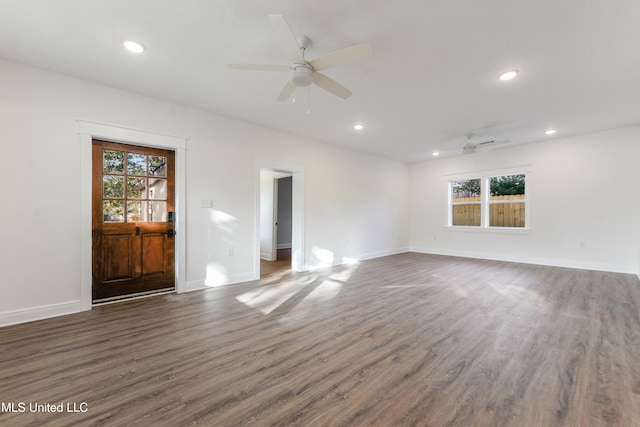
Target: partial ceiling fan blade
[[342, 56], [288, 38], [493, 142], [260, 67], [331, 85], [287, 91]]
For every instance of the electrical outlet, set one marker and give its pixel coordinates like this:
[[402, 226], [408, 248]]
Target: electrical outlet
[[583, 244]]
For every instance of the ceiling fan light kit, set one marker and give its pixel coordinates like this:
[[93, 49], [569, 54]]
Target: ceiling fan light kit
[[305, 73], [301, 75]]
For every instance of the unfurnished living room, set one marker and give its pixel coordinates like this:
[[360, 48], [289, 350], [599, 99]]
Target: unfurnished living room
[[286, 212]]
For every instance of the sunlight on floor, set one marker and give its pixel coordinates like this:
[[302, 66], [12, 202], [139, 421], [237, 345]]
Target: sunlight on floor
[[524, 297], [268, 297]]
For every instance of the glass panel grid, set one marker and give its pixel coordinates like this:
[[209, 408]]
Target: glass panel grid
[[129, 194]]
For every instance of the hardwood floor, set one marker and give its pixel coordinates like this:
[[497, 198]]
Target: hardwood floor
[[277, 268], [408, 339]]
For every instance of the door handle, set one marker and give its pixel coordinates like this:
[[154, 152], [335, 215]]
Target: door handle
[[170, 232]]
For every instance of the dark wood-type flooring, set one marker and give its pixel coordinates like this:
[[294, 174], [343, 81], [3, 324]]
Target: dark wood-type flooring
[[408, 339]]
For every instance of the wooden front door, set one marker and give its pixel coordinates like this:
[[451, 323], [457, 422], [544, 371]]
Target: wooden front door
[[133, 216]]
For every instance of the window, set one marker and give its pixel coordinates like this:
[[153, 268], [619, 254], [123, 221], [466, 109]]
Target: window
[[488, 201], [465, 202], [507, 201]]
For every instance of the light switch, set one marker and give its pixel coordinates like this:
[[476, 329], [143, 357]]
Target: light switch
[[206, 203]]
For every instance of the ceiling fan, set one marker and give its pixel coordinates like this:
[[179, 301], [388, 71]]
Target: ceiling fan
[[303, 72], [472, 146]]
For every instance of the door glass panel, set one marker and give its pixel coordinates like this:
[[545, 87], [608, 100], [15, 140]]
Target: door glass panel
[[136, 188], [113, 186], [157, 166], [113, 210], [136, 211], [158, 189], [157, 211], [113, 161], [136, 164]]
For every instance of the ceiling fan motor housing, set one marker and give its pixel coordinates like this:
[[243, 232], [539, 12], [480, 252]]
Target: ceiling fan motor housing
[[302, 75]]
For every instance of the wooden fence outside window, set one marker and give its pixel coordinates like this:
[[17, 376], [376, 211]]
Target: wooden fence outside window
[[502, 212]]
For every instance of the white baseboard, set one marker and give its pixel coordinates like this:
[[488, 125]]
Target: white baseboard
[[283, 246], [378, 254], [356, 258], [552, 262], [266, 257], [38, 313]]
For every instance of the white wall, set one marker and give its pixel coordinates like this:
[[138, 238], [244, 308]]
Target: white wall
[[581, 189], [356, 205]]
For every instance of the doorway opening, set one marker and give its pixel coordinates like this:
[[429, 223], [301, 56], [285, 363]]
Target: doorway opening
[[280, 219], [275, 222]]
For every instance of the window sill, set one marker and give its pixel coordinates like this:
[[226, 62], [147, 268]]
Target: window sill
[[499, 230]]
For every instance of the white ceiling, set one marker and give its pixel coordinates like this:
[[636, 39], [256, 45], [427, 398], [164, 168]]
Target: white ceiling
[[432, 78]]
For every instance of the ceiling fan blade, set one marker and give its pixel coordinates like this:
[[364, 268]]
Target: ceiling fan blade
[[342, 56], [287, 91], [260, 67], [287, 37], [493, 142], [331, 85]]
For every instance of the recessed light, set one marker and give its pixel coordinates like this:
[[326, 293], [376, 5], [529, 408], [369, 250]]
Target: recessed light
[[132, 46], [358, 126], [508, 75], [435, 153], [550, 132]]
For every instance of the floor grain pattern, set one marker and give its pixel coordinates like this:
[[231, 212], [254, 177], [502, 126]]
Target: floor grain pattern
[[404, 340]]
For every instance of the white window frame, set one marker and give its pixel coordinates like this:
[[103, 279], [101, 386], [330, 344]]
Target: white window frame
[[485, 201]]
